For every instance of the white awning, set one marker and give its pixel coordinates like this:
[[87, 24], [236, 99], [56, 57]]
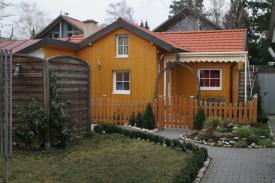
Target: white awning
[[209, 57]]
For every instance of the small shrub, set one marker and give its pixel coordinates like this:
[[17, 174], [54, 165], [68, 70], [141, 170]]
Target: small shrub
[[261, 131], [148, 121], [168, 142], [243, 132], [253, 139], [213, 123], [266, 143], [133, 120], [34, 122], [241, 144], [199, 119], [139, 120], [224, 130]]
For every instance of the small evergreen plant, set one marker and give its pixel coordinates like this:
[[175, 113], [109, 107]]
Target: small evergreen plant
[[199, 119], [149, 118]]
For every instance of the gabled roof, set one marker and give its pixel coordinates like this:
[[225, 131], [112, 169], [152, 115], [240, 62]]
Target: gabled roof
[[144, 33], [207, 41], [77, 23], [182, 14]]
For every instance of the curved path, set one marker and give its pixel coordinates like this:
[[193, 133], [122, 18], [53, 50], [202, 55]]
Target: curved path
[[231, 165]]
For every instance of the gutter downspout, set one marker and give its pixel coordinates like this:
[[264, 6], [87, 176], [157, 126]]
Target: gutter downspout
[[245, 78]]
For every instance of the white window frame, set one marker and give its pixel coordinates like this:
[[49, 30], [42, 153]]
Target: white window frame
[[117, 52], [210, 88], [123, 92]]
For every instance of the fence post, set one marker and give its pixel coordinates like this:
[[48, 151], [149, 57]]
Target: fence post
[[255, 108], [191, 113]]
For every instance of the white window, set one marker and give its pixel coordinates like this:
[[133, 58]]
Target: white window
[[210, 79], [122, 45], [121, 82]]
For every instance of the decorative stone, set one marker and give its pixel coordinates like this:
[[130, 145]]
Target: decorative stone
[[236, 138], [103, 132], [223, 139], [196, 138], [244, 139], [253, 145], [210, 140], [164, 145], [248, 126], [213, 144], [235, 127], [227, 143], [230, 125], [220, 143], [232, 142], [262, 137], [197, 180]]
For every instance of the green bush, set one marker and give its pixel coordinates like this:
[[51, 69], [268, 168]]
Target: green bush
[[213, 123], [253, 139], [243, 132], [139, 120], [148, 121], [133, 120], [266, 143], [224, 130], [34, 121], [261, 131], [60, 131], [199, 119]]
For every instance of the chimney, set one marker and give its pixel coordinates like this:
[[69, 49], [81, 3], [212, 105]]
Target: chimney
[[90, 27]]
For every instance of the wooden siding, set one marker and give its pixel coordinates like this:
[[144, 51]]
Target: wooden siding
[[141, 63], [184, 83], [54, 51]]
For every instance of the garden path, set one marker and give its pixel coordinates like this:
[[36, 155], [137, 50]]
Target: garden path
[[232, 165]]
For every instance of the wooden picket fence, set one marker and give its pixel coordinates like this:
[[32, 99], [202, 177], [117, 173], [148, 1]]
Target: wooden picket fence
[[173, 112]]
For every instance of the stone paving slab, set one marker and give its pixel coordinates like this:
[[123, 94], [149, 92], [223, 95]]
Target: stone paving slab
[[231, 165]]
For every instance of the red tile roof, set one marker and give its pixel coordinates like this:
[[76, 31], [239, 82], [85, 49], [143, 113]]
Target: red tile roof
[[207, 41]]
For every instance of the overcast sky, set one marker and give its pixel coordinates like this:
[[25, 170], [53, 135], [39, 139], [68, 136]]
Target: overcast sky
[[155, 11]]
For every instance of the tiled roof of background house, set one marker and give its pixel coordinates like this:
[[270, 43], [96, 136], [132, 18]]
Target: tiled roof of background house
[[17, 45], [207, 41]]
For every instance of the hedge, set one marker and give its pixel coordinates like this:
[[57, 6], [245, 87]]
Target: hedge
[[187, 174]]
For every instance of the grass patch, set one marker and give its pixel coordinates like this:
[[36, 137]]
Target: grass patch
[[101, 158]]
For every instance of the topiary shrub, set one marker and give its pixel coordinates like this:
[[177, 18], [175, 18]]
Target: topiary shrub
[[199, 119], [243, 132], [139, 120], [133, 120], [213, 123], [148, 121]]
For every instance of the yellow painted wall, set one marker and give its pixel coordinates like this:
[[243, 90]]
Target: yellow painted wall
[[54, 51], [142, 64], [184, 82]]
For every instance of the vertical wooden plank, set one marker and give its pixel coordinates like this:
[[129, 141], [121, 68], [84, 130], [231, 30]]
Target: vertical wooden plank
[[210, 109], [230, 112], [166, 116], [250, 111], [255, 108], [240, 112], [245, 119], [225, 110], [191, 112], [184, 112], [179, 113]]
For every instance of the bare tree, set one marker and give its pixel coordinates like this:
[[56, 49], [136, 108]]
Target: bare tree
[[119, 10], [3, 14], [215, 10], [237, 15], [29, 20]]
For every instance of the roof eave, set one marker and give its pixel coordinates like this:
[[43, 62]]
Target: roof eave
[[123, 24], [49, 42]]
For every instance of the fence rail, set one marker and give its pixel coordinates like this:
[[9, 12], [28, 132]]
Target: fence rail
[[173, 112]]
